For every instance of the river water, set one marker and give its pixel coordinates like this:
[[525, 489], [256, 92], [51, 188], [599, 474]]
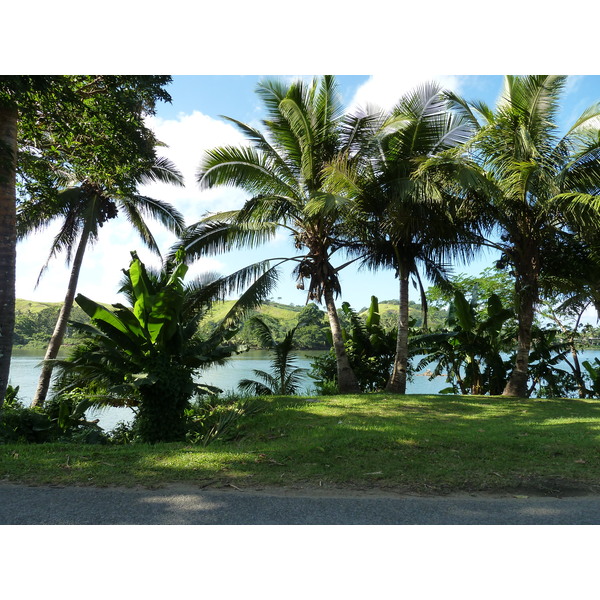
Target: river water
[[25, 371]]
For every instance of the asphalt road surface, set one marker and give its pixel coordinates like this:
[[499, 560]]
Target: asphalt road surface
[[186, 505]]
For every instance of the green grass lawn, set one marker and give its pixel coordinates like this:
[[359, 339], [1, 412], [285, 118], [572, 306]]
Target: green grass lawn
[[422, 444]]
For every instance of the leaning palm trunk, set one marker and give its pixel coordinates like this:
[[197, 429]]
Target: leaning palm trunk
[[397, 381], [61, 324], [8, 236], [347, 383]]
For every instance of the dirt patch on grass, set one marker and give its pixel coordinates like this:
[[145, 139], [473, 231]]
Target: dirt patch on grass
[[549, 487]]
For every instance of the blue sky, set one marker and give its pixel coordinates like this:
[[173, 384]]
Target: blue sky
[[191, 124]]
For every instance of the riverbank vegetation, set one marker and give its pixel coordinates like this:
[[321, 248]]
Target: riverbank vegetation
[[414, 192]]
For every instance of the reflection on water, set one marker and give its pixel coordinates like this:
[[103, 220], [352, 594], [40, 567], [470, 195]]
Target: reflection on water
[[25, 371]]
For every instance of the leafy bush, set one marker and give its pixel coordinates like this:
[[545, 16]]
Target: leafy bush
[[11, 397], [212, 418], [593, 371], [29, 425], [62, 419], [123, 433], [370, 349], [66, 412]]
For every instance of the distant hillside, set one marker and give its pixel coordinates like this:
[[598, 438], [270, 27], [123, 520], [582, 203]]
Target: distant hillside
[[35, 321], [287, 315], [22, 306]]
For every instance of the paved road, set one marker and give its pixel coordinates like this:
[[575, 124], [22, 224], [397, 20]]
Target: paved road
[[180, 505]]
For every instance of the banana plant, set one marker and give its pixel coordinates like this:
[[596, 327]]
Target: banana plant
[[145, 356], [593, 370], [470, 350], [370, 349]]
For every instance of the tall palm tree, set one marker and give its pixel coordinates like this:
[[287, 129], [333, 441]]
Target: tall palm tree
[[404, 220], [283, 172], [84, 209], [532, 181]]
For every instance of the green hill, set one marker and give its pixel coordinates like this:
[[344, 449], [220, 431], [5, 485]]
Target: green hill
[[23, 306]]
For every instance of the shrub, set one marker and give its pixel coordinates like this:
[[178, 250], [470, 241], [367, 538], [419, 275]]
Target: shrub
[[30, 425], [212, 418]]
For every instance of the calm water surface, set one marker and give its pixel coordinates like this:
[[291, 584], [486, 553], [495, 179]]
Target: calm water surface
[[25, 371]]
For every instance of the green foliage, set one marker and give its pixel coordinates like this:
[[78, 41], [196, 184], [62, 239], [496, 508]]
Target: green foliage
[[146, 355], [491, 281], [593, 371], [314, 333], [370, 349], [216, 417], [545, 376], [474, 351], [63, 419], [20, 424], [470, 351], [123, 433], [68, 410], [91, 126], [11, 397]]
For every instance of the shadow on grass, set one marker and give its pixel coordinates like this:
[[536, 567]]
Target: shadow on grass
[[420, 442], [415, 443]]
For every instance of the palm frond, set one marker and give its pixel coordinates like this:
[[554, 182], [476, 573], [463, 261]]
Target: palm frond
[[262, 331], [213, 236], [163, 171], [264, 282]]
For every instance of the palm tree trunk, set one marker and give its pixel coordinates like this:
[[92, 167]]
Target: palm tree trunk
[[61, 323], [8, 239], [397, 381], [347, 383], [526, 291]]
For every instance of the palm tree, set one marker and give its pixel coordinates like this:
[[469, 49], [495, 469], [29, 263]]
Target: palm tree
[[404, 220], [532, 183], [283, 171], [92, 123], [284, 378], [84, 209]]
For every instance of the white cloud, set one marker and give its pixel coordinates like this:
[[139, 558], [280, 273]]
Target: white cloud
[[187, 138], [384, 91]]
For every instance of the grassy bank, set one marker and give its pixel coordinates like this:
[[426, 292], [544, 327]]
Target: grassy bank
[[422, 444]]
